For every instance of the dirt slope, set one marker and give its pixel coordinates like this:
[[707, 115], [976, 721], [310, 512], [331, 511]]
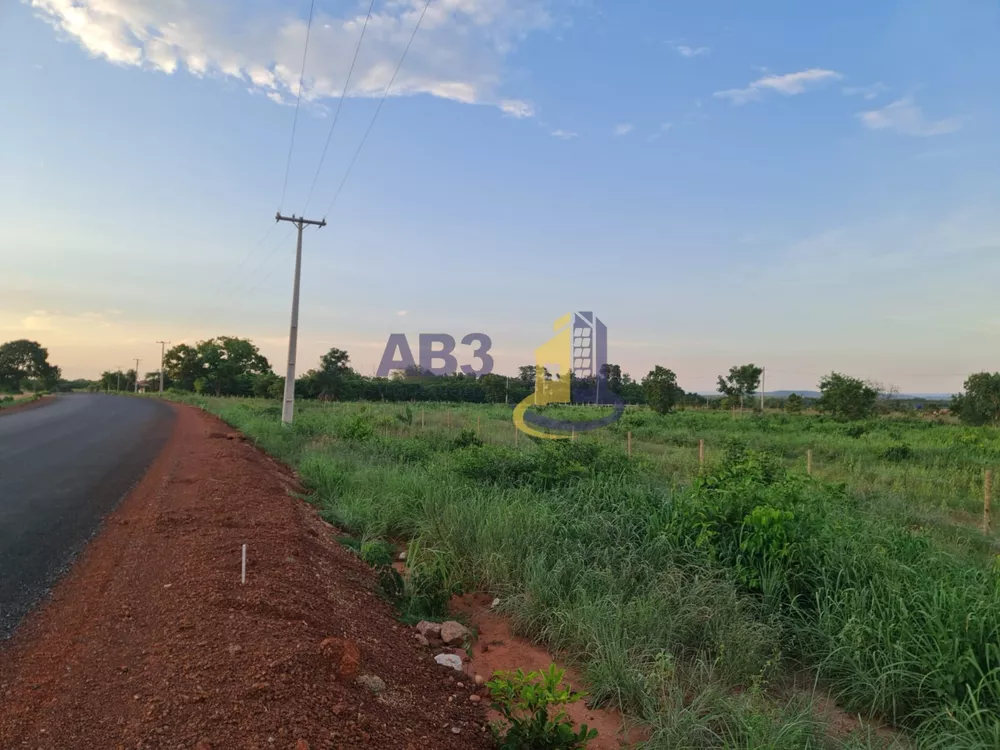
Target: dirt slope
[[152, 642]]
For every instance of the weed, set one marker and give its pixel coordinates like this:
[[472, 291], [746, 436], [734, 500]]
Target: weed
[[533, 715]]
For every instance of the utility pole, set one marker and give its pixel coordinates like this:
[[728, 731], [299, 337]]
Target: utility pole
[[288, 406], [118, 387], [763, 374], [137, 360], [163, 346]]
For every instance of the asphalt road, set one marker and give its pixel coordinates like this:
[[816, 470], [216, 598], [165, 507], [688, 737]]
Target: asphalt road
[[63, 467]]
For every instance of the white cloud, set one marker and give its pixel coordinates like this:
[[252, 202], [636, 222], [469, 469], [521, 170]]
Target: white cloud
[[564, 134], [402, 313], [685, 51], [664, 127], [459, 53], [866, 92], [903, 116], [789, 84], [517, 108], [623, 129]]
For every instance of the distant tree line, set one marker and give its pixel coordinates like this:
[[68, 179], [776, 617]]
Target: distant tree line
[[233, 366]]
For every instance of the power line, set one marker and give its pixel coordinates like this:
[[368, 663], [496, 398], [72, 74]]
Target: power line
[[298, 98], [265, 261], [377, 109], [340, 104]]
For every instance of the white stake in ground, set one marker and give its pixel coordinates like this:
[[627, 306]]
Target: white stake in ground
[[243, 566]]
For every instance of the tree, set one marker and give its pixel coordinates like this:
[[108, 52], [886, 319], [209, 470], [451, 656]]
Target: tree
[[183, 366], [229, 365], [793, 404], [742, 381], [844, 397], [613, 375], [661, 389], [333, 378], [22, 360], [980, 404]]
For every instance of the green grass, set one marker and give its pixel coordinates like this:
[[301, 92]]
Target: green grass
[[693, 601]]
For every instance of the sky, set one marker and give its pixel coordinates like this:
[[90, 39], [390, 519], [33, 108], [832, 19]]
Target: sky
[[807, 186]]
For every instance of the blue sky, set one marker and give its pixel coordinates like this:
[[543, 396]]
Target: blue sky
[[807, 186]]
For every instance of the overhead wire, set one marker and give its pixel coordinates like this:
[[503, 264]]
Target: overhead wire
[[378, 109], [340, 104], [298, 100]]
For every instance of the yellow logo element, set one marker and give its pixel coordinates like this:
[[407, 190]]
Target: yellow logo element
[[556, 353]]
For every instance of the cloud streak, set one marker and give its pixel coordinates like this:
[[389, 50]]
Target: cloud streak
[[789, 84], [459, 53], [905, 117]]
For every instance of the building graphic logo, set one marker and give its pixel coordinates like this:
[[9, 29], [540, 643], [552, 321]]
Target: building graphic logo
[[570, 368]]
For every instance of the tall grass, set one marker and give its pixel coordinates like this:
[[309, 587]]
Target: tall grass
[[689, 601]]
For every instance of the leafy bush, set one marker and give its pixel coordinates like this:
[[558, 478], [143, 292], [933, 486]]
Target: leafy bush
[[533, 717], [359, 427], [554, 463], [897, 452], [466, 438]]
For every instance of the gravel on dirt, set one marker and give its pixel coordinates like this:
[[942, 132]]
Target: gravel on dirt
[[152, 642]]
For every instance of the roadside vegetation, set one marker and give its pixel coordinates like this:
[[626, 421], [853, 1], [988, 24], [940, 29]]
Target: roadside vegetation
[[724, 606]]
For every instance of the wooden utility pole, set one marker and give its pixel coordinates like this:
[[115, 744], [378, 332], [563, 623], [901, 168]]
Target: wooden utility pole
[[288, 405], [629, 443], [137, 361], [701, 453], [763, 372], [163, 347]]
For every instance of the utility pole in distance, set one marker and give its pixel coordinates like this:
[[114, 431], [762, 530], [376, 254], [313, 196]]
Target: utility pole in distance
[[763, 373], [163, 346], [137, 360], [288, 406]]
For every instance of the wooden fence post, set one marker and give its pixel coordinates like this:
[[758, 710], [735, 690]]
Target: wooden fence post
[[987, 499], [629, 443], [701, 453], [809, 461]]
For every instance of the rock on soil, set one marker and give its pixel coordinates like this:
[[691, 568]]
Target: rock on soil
[[454, 633], [114, 659], [449, 660], [429, 629]]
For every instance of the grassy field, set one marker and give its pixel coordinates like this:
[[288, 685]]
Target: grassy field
[[720, 605]]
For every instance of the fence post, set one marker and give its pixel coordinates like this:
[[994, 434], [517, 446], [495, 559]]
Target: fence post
[[701, 453], [809, 461], [629, 443], [987, 499]]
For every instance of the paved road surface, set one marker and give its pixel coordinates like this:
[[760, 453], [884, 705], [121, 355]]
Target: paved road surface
[[63, 468]]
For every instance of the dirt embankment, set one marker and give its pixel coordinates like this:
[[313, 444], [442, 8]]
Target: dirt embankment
[[152, 642]]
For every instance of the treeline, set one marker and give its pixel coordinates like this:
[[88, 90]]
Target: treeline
[[232, 366]]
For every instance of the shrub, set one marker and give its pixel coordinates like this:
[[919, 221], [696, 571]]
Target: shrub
[[533, 717], [897, 452]]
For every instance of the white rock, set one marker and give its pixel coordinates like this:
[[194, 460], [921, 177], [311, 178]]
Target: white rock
[[449, 660], [496, 603], [402, 556]]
